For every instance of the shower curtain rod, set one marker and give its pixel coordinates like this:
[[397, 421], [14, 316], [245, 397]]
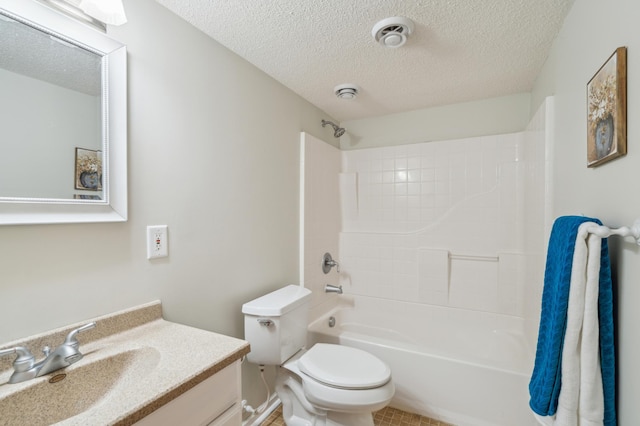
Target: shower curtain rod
[[603, 231]]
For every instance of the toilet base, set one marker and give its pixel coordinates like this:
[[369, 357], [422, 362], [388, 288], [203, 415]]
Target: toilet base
[[297, 411]]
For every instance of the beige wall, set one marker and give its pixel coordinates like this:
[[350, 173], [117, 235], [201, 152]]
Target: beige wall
[[213, 154], [590, 34], [496, 116], [320, 212]]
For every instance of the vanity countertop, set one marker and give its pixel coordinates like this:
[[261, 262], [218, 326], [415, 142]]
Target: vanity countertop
[[160, 359]]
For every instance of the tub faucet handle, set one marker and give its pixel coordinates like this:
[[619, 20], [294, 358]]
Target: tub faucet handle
[[328, 263]]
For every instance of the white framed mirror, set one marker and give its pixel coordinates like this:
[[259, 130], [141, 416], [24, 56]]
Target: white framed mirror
[[63, 119]]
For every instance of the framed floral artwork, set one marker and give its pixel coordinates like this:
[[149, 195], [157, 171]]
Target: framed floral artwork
[[88, 169], [607, 110]]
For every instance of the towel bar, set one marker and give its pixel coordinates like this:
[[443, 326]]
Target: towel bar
[[473, 257], [604, 231]]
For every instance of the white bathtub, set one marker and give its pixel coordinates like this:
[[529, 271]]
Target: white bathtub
[[464, 367]]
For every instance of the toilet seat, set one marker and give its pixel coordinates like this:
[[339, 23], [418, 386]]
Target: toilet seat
[[347, 400], [344, 367], [352, 392]]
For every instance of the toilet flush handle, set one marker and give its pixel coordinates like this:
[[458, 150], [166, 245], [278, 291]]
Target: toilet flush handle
[[265, 321]]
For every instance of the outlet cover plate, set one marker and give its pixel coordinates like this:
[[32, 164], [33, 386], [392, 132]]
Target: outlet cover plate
[[157, 241]]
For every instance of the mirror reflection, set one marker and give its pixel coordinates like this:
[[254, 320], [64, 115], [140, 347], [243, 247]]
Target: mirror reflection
[[51, 116]]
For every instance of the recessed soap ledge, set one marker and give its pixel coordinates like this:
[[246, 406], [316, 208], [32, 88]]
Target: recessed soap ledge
[[160, 361]]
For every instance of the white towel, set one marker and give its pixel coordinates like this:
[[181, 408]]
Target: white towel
[[581, 399]]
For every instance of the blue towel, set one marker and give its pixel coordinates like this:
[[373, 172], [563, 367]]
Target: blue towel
[[545, 384], [607, 349]]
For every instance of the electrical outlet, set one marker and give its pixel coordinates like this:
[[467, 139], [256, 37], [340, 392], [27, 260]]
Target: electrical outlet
[[157, 242]]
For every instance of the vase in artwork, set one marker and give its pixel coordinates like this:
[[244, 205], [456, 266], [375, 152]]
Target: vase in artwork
[[90, 180], [604, 136]]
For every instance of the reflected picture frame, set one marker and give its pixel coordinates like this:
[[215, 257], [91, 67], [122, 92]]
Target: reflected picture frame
[[88, 170], [607, 110]]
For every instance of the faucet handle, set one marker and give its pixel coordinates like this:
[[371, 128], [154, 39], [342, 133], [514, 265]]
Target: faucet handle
[[23, 362], [328, 263], [72, 340]]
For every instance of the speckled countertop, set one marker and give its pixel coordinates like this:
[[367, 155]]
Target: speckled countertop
[[154, 362]]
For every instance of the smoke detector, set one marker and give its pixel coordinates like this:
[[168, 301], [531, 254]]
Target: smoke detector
[[346, 91], [392, 32]]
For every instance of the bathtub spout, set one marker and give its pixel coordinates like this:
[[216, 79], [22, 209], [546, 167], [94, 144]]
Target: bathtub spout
[[328, 288]]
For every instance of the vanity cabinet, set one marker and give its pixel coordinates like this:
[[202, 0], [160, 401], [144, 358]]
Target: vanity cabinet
[[214, 402]]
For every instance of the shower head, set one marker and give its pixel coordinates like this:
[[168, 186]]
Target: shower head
[[337, 131]]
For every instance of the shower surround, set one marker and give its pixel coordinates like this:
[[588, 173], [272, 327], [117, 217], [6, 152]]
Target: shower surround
[[455, 227], [440, 223]]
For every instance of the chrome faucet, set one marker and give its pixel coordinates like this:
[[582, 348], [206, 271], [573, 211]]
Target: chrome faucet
[[329, 288], [25, 367]]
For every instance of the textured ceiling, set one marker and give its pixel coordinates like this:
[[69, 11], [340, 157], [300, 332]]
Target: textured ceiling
[[461, 50]]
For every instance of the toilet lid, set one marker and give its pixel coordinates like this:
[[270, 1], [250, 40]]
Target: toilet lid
[[344, 367]]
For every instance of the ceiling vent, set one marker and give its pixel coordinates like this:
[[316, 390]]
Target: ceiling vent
[[392, 32], [346, 91]]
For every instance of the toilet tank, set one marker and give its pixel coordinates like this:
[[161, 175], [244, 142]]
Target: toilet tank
[[276, 324]]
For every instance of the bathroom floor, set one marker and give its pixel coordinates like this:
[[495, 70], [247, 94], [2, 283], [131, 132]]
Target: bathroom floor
[[386, 417]]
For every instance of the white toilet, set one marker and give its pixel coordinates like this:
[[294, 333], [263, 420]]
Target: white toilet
[[324, 385]]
